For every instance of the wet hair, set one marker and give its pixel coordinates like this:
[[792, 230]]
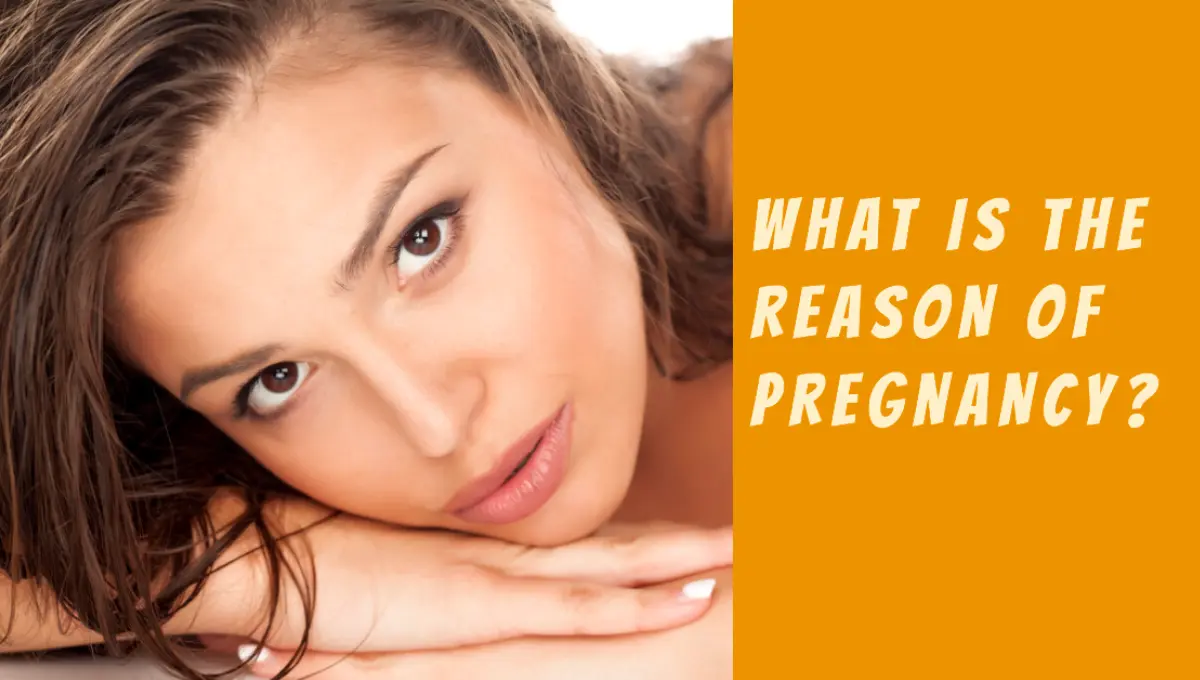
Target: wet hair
[[105, 478]]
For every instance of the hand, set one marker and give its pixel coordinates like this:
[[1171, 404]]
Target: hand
[[702, 650], [381, 588]]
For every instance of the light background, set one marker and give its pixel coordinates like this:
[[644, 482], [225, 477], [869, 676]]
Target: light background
[[654, 29]]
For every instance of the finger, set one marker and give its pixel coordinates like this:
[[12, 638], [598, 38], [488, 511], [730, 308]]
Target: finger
[[547, 607], [629, 560], [487, 606]]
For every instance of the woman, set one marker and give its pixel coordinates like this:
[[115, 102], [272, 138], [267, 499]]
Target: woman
[[432, 263]]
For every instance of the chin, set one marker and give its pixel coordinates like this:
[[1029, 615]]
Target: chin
[[556, 531], [586, 501]]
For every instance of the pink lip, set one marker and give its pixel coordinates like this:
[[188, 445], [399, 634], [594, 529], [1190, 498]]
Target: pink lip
[[493, 500]]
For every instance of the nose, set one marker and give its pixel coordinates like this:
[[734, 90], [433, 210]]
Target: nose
[[433, 402]]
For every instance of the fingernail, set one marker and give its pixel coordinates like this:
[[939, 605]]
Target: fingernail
[[699, 590], [252, 654]]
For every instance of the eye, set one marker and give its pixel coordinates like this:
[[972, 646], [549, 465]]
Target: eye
[[426, 243], [270, 391]]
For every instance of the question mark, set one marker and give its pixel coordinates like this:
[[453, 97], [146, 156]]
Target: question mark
[[1148, 384]]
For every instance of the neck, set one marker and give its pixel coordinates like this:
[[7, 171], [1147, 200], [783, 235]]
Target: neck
[[684, 471]]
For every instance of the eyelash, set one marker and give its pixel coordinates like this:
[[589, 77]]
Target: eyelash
[[452, 211], [241, 402]]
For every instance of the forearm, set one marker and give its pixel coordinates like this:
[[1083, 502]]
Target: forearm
[[39, 622], [33, 627]]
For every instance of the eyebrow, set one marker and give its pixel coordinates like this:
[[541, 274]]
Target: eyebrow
[[386, 197], [385, 201], [196, 378]]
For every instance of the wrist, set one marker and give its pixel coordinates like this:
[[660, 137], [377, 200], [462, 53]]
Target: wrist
[[229, 600]]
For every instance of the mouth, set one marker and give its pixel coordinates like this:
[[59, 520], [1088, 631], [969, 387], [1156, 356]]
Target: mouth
[[522, 464], [526, 477]]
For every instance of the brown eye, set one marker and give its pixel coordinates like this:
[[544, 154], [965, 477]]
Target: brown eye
[[423, 245], [423, 240], [280, 377], [275, 386]]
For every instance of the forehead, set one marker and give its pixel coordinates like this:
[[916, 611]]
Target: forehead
[[284, 179]]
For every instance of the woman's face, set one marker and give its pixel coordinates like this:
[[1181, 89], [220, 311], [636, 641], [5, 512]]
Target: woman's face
[[391, 290]]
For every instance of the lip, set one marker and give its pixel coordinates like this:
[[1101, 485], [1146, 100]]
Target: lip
[[495, 499]]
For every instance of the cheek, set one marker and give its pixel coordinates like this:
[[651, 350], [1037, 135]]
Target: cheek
[[560, 284], [344, 454]]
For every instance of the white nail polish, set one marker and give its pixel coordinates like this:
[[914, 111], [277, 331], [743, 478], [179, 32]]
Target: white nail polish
[[700, 590], [247, 654]]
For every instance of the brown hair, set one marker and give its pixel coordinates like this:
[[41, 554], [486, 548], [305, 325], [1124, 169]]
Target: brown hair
[[104, 477]]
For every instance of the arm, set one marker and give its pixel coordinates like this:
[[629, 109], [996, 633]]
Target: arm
[[33, 620], [28, 631], [701, 650], [39, 623], [386, 588]]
